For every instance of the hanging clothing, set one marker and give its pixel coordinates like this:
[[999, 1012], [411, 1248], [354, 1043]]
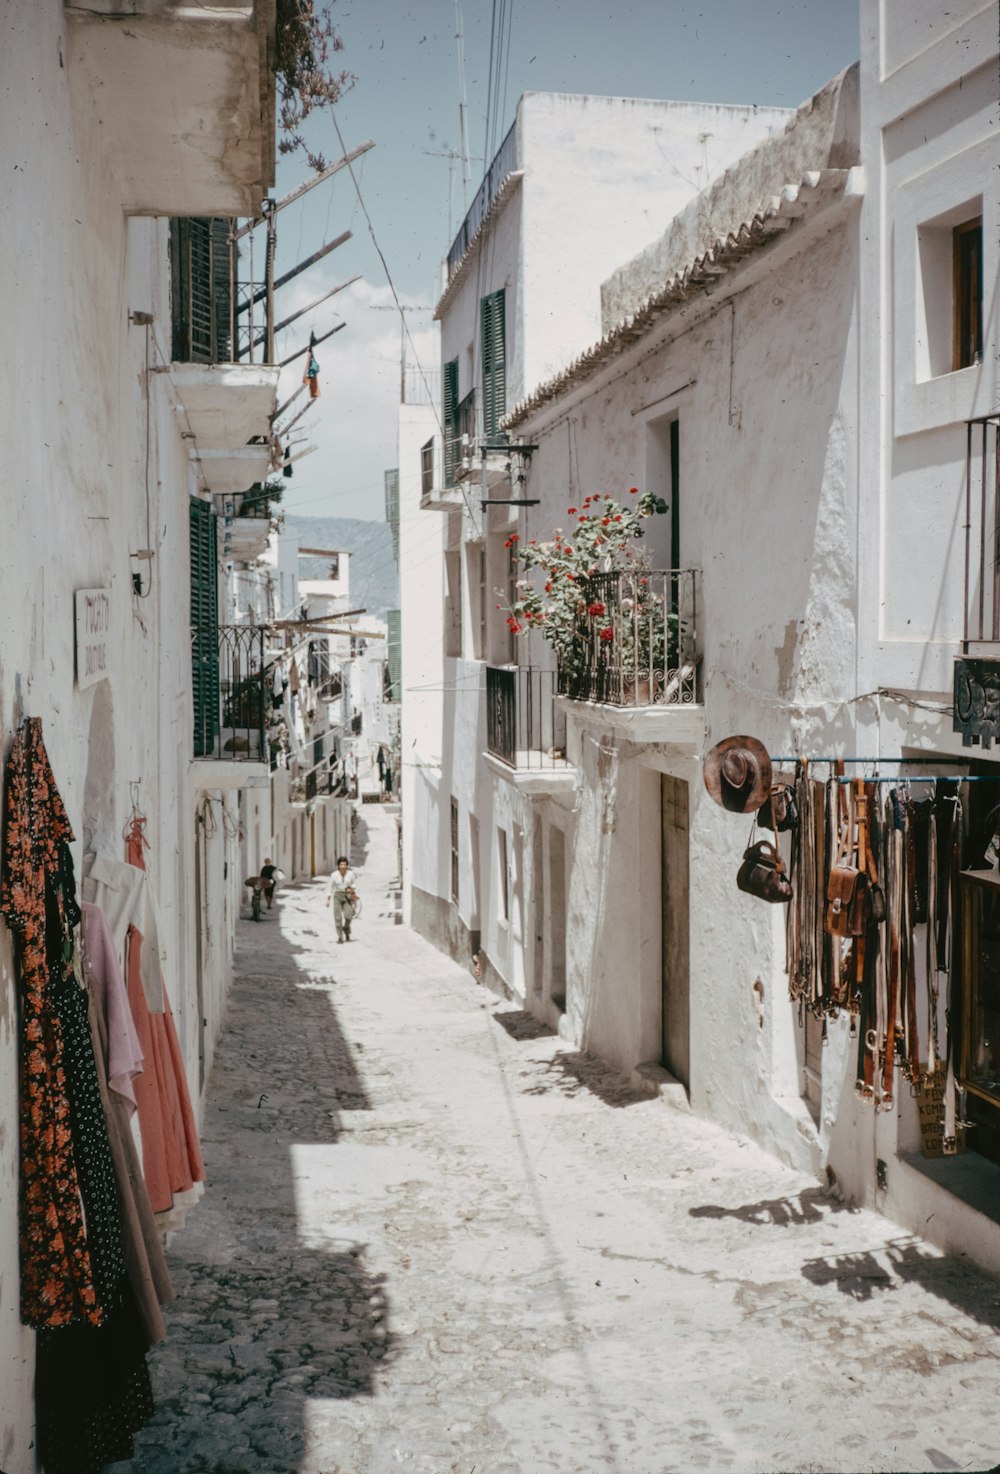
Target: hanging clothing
[[126, 897], [57, 1275], [144, 1259], [172, 1163], [92, 1390]]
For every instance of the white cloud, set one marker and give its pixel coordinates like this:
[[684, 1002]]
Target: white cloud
[[353, 423]]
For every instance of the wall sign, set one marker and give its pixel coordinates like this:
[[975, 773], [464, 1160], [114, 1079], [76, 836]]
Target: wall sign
[[977, 701], [93, 630]]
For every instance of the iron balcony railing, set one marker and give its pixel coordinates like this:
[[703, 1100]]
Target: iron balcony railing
[[231, 702], [524, 728], [635, 642], [222, 302], [504, 163]]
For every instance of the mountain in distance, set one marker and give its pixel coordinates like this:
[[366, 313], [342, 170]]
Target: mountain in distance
[[374, 579]]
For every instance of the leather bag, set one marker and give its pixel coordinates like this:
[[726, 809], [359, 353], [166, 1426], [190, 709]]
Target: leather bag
[[846, 895], [763, 874], [780, 810]]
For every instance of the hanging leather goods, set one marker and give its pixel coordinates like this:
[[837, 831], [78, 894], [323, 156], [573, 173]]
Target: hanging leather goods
[[780, 810], [933, 1051], [762, 873], [846, 889], [892, 851]]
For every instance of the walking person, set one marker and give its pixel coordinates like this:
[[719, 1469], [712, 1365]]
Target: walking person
[[342, 897]]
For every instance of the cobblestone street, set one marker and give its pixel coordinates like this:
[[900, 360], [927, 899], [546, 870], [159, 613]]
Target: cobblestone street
[[437, 1239]]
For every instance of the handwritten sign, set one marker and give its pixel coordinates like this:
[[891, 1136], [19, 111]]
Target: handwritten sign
[[930, 1104], [93, 633]]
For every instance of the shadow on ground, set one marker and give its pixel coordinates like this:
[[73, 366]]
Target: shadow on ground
[[863, 1275], [573, 1072], [521, 1025], [809, 1206], [264, 1322]]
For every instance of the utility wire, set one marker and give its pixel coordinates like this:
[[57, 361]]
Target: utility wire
[[395, 296]]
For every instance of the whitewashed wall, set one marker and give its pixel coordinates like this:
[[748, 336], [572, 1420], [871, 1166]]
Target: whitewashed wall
[[768, 514], [77, 419]]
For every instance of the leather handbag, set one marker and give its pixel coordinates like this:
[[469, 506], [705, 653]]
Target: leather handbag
[[763, 874], [780, 810], [846, 895], [846, 888]]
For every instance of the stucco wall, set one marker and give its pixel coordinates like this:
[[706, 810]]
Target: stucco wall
[[822, 134], [768, 515], [603, 175], [80, 500]]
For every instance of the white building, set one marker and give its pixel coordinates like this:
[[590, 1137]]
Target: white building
[[113, 125], [576, 181], [804, 367]]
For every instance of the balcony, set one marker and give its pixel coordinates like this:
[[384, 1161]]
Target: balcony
[[231, 706], [635, 651], [503, 166], [223, 351], [182, 97], [525, 729], [434, 493]]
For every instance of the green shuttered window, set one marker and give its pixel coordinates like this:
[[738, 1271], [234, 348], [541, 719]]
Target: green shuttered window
[[451, 447], [204, 628], [494, 356]]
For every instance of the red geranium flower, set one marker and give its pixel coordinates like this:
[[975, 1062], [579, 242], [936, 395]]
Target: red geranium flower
[[595, 609], [633, 491], [605, 521], [507, 543], [515, 537], [619, 517], [607, 633], [513, 625], [571, 511]]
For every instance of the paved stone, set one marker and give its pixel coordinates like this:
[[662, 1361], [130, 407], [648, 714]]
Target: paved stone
[[436, 1239]]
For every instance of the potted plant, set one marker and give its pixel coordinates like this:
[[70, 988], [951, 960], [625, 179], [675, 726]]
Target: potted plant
[[589, 592]]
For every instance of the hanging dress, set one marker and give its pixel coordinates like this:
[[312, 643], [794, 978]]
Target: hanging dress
[[92, 1390], [171, 1154]]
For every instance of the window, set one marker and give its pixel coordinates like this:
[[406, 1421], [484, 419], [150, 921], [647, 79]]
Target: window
[[478, 598], [454, 850], [949, 292], [451, 446], [967, 250], [494, 360], [204, 627], [200, 289], [503, 876]]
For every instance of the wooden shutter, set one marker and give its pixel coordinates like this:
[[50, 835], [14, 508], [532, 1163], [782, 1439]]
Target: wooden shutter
[[200, 289], [204, 628], [451, 453], [494, 358]]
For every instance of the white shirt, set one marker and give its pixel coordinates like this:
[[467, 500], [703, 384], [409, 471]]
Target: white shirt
[[340, 882]]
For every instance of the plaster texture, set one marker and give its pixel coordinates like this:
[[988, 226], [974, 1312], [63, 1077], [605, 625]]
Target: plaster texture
[[440, 1239], [103, 474]]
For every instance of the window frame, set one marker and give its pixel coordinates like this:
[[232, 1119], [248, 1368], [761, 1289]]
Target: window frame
[[967, 293]]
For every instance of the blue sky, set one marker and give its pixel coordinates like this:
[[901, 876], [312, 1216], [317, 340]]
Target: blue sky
[[405, 97]]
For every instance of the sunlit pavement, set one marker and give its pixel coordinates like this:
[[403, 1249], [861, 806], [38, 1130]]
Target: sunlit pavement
[[436, 1238]]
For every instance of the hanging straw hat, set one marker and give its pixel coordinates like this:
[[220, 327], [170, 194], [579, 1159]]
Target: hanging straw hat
[[738, 774]]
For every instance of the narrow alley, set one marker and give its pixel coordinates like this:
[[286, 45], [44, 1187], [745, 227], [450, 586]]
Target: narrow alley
[[436, 1239]]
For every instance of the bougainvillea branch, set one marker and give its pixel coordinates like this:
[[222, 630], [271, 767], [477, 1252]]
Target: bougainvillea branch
[[305, 44]]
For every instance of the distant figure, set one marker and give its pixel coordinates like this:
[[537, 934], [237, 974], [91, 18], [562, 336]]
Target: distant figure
[[267, 875], [342, 897]]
